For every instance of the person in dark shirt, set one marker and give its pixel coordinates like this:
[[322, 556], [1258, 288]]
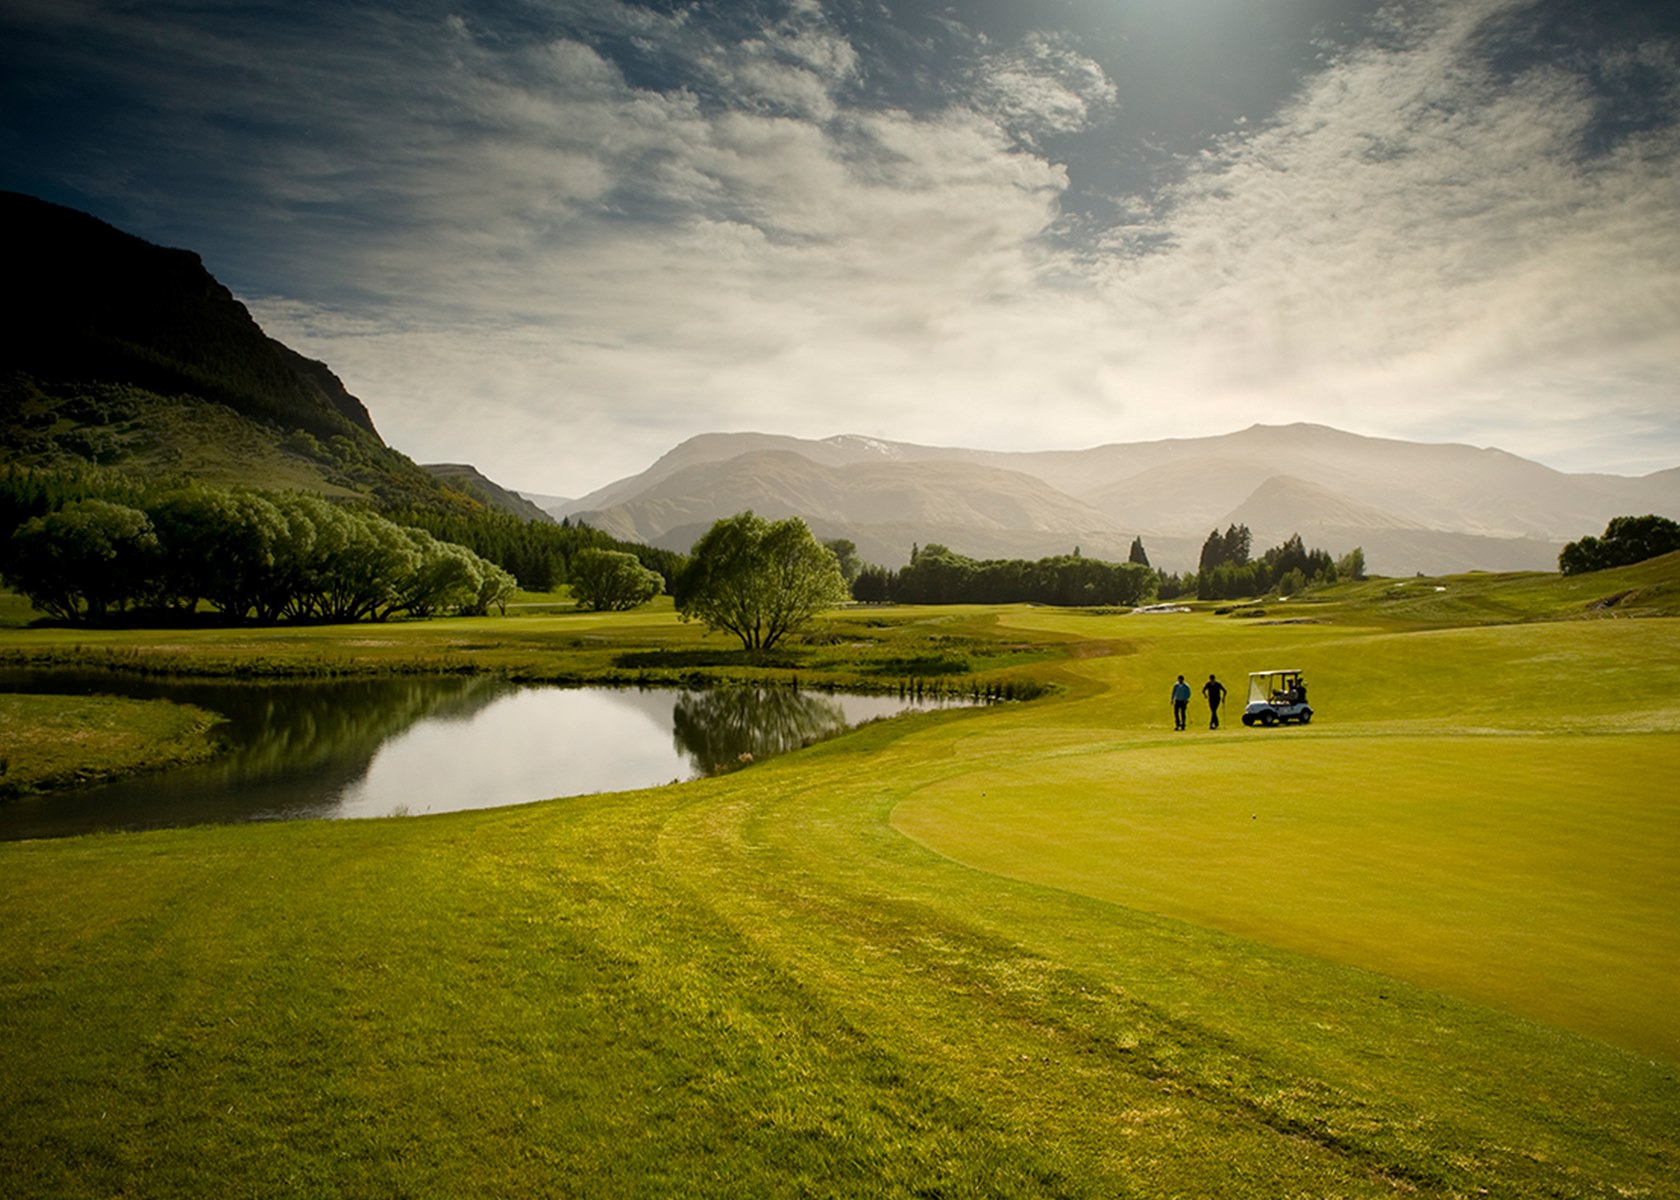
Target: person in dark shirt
[[1215, 693]]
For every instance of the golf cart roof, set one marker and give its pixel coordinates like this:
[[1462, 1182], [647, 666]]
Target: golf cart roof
[[1279, 671]]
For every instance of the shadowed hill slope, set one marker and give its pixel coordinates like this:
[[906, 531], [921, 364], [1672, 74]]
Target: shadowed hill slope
[[134, 356]]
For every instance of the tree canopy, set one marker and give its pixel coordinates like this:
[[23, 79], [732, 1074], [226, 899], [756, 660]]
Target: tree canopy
[[1626, 540], [250, 555], [1227, 572], [758, 579], [612, 580], [939, 575]]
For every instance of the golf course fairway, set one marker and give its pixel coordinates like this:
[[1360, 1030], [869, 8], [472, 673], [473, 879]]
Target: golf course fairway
[[1423, 946]]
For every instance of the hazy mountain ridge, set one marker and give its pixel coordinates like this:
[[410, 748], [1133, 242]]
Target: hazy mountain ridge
[[881, 505], [1412, 506]]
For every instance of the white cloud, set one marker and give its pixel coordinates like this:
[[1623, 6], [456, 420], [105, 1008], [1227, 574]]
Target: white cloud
[[1418, 243], [1046, 85], [556, 274]]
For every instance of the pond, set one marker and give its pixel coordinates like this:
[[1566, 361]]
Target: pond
[[428, 744]]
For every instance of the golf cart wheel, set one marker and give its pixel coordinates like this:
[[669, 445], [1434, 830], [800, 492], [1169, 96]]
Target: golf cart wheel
[[1306, 715], [1268, 718], [1248, 719]]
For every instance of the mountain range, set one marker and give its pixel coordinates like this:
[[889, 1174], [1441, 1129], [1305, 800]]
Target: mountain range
[[133, 356], [1411, 506]]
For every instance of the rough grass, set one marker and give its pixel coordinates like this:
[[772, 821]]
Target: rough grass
[[58, 741], [758, 985]]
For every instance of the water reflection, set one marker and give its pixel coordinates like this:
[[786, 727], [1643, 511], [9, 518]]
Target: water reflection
[[427, 744], [721, 728]]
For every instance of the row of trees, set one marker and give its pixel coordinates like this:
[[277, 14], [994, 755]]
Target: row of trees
[[1626, 540], [938, 575], [252, 556], [1226, 572], [541, 554]]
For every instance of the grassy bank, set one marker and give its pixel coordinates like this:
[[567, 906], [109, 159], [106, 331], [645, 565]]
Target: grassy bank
[[53, 742], [1422, 946]]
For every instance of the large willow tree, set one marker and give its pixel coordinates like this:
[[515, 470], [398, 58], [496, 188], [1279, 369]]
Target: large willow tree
[[759, 580]]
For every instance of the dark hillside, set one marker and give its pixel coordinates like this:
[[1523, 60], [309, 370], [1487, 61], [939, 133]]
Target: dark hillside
[[102, 306], [128, 355]]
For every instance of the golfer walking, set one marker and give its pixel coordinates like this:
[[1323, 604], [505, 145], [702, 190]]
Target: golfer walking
[[1215, 693], [1181, 702]]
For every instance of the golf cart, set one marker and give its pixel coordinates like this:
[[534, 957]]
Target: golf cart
[[1276, 698]]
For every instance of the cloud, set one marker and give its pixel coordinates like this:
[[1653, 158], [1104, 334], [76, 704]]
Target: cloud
[[555, 248], [1045, 86], [1421, 240]]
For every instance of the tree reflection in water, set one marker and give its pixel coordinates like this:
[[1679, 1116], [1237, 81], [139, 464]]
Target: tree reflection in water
[[423, 744], [720, 729]]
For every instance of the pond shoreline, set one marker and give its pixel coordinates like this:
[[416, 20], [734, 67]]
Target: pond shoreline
[[155, 735], [401, 745]]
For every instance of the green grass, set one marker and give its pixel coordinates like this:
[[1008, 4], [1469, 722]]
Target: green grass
[[1422, 946], [58, 741]]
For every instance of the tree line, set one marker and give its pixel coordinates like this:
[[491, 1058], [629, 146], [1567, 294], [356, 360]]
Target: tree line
[[1226, 571], [253, 557], [540, 554], [266, 557], [939, 575]]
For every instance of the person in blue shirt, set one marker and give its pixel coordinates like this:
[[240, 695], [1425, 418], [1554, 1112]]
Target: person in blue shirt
[[1181, 702]]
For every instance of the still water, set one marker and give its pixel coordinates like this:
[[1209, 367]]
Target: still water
[[374, 748]]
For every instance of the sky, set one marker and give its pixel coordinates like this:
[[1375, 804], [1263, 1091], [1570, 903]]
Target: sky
[[554, 238]]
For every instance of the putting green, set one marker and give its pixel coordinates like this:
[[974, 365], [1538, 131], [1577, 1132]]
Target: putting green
[[1468, 845]]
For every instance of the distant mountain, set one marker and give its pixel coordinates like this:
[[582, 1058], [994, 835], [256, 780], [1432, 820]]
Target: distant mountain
[[117, 352], [883, 506], [554, 506], [1411, 506]]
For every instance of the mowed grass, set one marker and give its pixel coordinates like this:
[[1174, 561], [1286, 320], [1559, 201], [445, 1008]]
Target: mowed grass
[[1490, 811], [758, 985], [1532, 874]]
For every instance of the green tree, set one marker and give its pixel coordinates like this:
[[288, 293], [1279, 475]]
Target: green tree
[[845, 553], [612, 580], [1228, 549], [873, 585], [85, 559], [1626, 540], [496, 587], [442, 576], [1138, 555], [1352, 564], [217, 546], [759, 580]]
